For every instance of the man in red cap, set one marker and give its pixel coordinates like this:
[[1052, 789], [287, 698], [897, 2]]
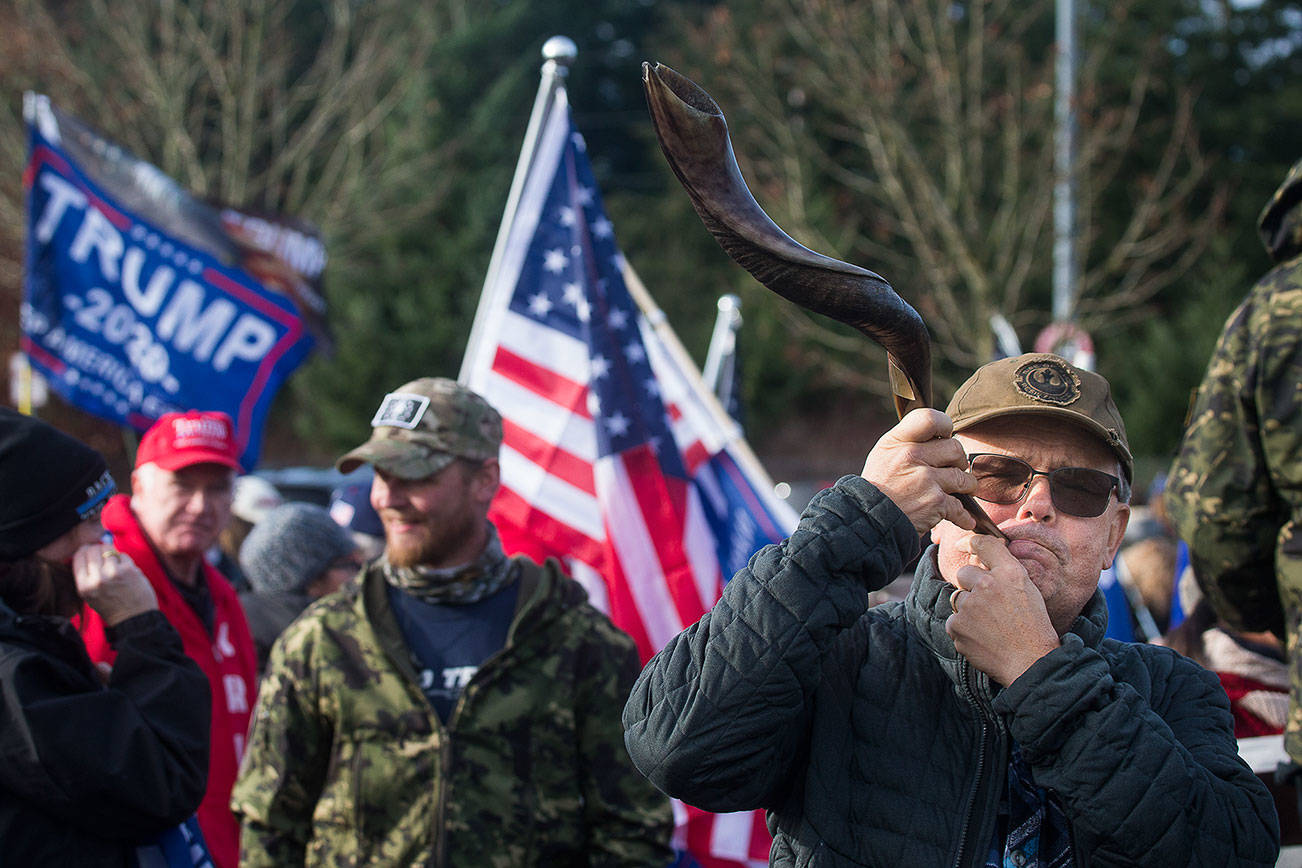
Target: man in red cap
[[180, 501]]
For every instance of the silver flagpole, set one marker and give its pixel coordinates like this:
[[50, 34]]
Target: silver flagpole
[[723, 342], [558, 53]]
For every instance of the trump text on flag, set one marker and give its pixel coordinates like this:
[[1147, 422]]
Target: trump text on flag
[[134, 305]]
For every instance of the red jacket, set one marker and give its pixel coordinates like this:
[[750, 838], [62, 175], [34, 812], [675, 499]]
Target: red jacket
[[226, 657]]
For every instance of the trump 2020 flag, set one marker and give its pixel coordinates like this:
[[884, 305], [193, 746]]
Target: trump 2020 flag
[[611, 461], [141, 300]]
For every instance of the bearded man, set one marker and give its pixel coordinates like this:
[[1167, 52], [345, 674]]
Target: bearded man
[[454, 706]]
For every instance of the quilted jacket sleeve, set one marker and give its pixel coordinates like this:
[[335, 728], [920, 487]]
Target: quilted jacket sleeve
[[717, 717], [1148, 782]]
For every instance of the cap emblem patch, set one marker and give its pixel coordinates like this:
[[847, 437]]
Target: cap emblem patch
[[1048, 381], [400, 410]]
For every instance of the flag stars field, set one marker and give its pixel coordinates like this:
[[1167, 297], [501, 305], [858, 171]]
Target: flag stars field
[[556, 261], [539, 304], [617, 424]]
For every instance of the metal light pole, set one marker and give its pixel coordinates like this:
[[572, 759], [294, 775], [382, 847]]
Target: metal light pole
[[1065, 265]]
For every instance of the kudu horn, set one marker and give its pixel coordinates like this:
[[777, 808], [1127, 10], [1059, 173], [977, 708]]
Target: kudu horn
[[694, 137]]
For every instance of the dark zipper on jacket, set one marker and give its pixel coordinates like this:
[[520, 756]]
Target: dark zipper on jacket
[[965, 674], [1077, 853], [440, 821], [446, 755]]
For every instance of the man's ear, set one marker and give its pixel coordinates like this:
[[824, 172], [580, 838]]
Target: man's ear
[[138, 483], [486, 480], [1116, 532]]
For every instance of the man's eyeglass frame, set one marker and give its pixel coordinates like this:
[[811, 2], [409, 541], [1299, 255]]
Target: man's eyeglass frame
[[1066, 498]]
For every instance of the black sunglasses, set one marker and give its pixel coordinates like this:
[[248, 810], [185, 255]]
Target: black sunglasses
[[1079, 491]]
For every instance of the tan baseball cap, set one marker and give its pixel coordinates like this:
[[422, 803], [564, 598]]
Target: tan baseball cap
[[423, 426], [1044, 384]]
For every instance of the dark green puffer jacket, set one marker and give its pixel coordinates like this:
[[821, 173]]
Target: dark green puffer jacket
[[872, 742]]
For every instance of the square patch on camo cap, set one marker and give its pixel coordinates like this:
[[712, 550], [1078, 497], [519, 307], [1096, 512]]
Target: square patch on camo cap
[[400, 410]]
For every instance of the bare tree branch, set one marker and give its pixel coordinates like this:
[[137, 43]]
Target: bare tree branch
[[928, 128]]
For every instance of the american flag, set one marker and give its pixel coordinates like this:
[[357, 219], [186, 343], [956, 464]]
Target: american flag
[[613, 460]]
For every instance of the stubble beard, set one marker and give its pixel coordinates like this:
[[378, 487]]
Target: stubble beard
[[433, 547]]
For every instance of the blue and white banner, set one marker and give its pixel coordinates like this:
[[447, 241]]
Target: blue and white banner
[[140, 299]]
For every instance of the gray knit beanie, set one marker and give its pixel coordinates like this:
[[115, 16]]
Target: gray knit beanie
[[292, 545]]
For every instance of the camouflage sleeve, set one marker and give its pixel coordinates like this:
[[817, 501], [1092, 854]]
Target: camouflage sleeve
[[1235, 488], [629, 821], [286, 760]]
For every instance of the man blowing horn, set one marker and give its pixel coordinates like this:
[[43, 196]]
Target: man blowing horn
[[985, 720]]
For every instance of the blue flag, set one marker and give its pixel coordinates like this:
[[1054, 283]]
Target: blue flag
[[141, 300], [1114, 594]]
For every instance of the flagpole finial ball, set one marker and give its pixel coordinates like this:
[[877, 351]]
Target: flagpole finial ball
[[560, 49]]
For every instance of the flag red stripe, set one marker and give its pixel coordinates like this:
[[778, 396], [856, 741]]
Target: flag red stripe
[[54, 363], [569, 394], [700, 836], [760, 842], [662, 503], [549, 456], [694, 456], [534, 526], [524, 528], [623, 608]]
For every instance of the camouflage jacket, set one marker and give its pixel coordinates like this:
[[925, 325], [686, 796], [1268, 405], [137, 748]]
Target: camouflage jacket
[[1235, 489], [348, 764]]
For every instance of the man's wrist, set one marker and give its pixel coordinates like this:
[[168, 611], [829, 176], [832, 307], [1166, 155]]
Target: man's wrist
[[1025, 661]]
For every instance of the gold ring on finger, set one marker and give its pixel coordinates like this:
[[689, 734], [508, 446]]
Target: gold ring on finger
[[953, 599]]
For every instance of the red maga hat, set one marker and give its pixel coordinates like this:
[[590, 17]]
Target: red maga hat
[[179, 440]]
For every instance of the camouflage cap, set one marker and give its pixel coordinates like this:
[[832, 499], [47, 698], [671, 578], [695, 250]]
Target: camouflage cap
[[1045, 384], [423, 426]]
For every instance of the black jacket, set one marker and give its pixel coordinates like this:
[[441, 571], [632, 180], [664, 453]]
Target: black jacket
[[88, 771], [873, 742]]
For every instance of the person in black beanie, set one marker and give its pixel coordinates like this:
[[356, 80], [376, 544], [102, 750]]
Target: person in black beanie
[[94, 762]]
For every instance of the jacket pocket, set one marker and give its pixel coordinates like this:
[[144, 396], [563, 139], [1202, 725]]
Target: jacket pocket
[[380, 797]]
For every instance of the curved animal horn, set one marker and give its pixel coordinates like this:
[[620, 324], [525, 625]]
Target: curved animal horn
[[694, 137]]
